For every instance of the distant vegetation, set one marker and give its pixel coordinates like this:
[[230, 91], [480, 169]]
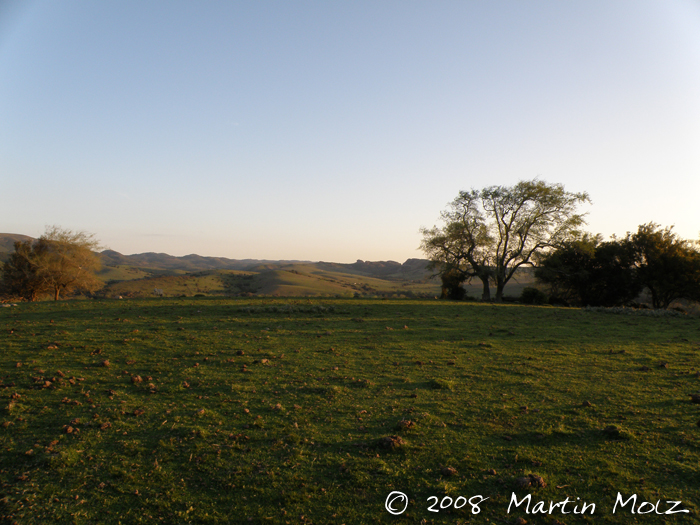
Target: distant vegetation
[[139, 275], [491, 235], [528, 236], [587, 271]]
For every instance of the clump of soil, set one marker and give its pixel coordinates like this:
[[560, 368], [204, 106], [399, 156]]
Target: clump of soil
[[613, 432], [391, 442], [531, 480], [405, 424]]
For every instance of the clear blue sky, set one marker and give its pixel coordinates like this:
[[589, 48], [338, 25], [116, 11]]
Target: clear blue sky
[[335, 130]]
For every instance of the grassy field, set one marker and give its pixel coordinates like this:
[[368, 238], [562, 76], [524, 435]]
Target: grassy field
[[206, 410], [295, 280]]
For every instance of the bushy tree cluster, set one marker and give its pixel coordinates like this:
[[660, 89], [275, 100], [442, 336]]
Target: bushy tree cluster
[[59, 262], [587, 271]]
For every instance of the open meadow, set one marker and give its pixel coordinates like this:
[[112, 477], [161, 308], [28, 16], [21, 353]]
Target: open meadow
[[213, 410]]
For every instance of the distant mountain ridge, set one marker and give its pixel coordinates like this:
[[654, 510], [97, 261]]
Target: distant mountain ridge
[[192, 262], [412, 269], [7, 241]]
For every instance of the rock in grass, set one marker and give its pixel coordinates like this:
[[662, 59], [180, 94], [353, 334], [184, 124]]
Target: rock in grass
[[586, 404], [136, 379]]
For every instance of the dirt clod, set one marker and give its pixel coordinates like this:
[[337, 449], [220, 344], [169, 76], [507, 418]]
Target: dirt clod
[[391, 442], [405, 424]]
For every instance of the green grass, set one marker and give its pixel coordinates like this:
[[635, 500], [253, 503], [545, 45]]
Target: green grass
[[278, 410]]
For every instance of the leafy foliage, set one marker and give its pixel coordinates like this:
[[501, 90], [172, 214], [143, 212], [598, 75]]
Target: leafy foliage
[[20, 273], [531, 295], [490, 233], [60, 261], [668, 266], [452, 285], [590, 272]]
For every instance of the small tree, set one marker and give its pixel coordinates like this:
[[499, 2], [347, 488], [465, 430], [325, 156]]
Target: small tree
[[59, 262], [492, 232], [452, 285]]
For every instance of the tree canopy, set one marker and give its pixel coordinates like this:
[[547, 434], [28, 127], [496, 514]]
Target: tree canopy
[[59, 262], [490, 233], [589, 272], [668, 266]]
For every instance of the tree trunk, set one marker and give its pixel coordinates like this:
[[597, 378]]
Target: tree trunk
[[486, 293], [500, 285], [57, 290]]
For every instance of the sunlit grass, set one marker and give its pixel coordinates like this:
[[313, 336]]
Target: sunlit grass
[[277, 411]]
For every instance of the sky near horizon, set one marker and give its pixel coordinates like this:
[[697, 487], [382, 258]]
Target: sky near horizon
[[334, 131]]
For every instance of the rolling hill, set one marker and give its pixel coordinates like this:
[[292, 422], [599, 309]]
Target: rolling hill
[[139, 275]]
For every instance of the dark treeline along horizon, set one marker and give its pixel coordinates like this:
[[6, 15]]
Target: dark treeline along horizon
[[489, 234]]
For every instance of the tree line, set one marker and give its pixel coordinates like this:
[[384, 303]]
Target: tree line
[[489, 234], [485, 234]]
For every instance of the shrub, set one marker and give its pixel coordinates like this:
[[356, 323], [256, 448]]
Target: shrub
[[533, 296]]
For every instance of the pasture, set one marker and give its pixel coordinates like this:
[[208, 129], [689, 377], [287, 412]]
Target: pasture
[[211, 410]]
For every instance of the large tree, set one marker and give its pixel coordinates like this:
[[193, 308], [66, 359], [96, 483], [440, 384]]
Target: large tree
[[668, 266], [492, 232], [461, 248], [59, 262]]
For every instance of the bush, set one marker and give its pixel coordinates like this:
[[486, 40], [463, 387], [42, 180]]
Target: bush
[[533, 296]]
